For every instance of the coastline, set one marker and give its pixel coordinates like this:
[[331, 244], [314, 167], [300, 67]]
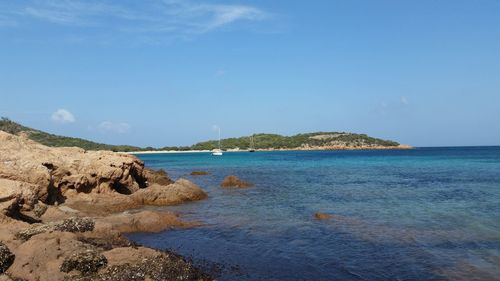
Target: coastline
[[322, 148]]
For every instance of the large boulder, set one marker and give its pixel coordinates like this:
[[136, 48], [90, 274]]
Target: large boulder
[[180, 191]]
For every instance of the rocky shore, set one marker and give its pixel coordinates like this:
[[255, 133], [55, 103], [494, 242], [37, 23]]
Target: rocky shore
[[63, 212]]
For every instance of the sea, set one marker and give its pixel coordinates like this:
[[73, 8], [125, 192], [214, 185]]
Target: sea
[[419, 214]]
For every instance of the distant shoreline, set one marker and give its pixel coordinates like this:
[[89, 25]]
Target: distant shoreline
[[399, 147]]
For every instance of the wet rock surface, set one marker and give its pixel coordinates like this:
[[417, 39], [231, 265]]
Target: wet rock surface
[[234, 181], [6, 258], [86, 262]]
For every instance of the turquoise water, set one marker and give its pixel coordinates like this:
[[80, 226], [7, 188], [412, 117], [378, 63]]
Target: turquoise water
[[422, 214]]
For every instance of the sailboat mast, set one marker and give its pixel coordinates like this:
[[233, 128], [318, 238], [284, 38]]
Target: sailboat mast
[[219, 138]]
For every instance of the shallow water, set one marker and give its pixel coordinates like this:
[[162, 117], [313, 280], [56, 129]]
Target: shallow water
[[422, 214]]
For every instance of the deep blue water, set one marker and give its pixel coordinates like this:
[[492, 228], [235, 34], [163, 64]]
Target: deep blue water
[[422, 214]]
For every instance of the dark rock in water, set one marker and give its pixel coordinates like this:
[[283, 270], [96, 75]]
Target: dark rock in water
[[6, 258], [322, 216], [234, 181], [67, 225], [165, 266], [199, 173], [86, 262]]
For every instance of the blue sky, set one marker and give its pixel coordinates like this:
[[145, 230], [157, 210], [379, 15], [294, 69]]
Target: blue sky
[[153, 72]]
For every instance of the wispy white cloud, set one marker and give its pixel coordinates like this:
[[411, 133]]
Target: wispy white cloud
[[63, 116], [110, 127], [160, 17]]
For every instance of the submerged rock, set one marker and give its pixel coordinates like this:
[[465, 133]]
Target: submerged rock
[[89, 261], [199, 173], [234, 181], [6, 258], [67, 225], [322, 216]]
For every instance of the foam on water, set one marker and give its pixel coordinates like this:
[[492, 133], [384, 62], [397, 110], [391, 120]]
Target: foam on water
[[428, 213]]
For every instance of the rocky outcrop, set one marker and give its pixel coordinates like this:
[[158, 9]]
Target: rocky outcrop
[[81, 256], [60, 215], [157, 195], [33, 175], [234, 181], [35, 172]]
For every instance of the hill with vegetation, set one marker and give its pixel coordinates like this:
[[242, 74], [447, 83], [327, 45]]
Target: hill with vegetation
[[12, 127], [301, 141], [318, 140]]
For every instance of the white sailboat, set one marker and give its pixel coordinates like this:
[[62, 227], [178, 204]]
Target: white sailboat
[[252, 145], [217, 152]]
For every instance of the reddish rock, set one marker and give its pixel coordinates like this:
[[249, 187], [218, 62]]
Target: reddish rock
[[322, 216], [180, 191], [234, 181], [199, 173], [157, 177], [70, 195]]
